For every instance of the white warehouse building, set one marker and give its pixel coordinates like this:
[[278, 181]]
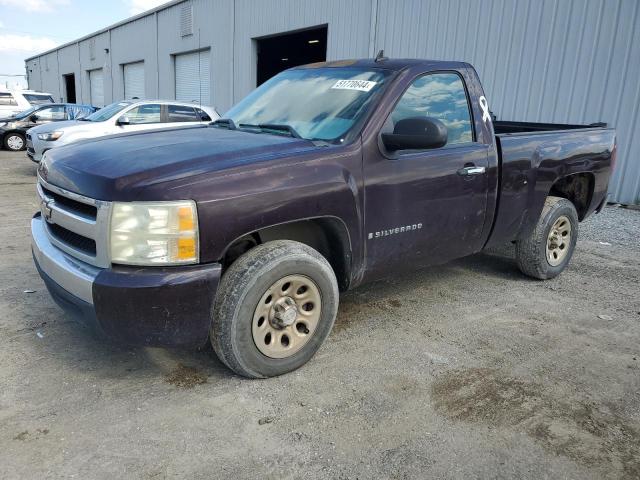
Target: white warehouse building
[[558, 61]]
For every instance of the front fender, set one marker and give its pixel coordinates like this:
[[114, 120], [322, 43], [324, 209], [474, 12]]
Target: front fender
[[311, 187]]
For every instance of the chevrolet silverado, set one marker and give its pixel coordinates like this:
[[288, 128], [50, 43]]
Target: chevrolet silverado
[[243, 232]]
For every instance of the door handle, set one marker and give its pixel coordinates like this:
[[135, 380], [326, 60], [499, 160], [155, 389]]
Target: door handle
[[472, 170]]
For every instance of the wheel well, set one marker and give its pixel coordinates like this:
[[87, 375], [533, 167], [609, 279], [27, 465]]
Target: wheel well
[[6, 134], [578, 189], [328, 236]]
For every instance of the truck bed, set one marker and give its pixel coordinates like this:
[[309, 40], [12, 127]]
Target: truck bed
[[532, 156]]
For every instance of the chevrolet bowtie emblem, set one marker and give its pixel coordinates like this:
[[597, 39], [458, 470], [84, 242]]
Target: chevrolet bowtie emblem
[[46, 209]]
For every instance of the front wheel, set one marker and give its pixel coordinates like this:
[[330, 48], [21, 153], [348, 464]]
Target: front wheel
[[14, 142], [274, 308], [546, 251]]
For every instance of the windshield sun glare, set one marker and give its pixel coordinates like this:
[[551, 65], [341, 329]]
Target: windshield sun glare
[[316, 103]]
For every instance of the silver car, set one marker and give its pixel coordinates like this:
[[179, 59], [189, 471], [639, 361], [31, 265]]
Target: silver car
[[126, 116]]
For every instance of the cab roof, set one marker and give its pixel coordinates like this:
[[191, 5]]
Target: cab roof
[[394, 64]]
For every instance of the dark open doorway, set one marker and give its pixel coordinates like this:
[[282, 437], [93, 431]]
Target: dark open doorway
[[279, 52], [70, 87]]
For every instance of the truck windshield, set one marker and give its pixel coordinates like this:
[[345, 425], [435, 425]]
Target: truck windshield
[[106, 113], [313, 103]]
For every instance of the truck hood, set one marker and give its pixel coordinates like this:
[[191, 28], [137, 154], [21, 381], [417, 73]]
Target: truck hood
[[142, 166]]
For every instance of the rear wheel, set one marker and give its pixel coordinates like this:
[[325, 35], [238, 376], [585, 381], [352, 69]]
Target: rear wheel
[[547, 250], [14, 142], [274, 308]]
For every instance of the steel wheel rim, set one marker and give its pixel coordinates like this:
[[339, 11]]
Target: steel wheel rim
[[286, 316], [14, 142], [558, 241]]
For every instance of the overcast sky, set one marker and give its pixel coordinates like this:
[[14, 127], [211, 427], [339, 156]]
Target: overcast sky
[[28, 27]]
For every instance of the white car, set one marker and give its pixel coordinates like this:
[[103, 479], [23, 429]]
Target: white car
[[127, 116], [13, 102]]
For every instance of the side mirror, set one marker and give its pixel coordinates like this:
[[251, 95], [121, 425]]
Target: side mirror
[[124, 120], [33, 118], [416, 133]]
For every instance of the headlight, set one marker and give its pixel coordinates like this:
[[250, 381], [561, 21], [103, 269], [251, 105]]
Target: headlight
[[154, 233], [48, 137], [2, 124]]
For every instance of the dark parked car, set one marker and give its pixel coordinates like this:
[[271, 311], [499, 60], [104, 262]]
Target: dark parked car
[[325, 177], [13, 129]]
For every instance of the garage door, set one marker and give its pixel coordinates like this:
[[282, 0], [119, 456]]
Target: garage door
[[96, 84], [193, 77], [134, 80]]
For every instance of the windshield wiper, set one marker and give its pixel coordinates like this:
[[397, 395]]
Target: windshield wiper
[[279, 127], [225, 122]]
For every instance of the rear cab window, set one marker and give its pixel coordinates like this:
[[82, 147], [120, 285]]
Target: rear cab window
[[181, 113], [440, 95]]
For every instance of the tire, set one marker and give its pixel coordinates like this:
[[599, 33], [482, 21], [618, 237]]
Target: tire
[[244, 292], [541, 256], [14, 141]]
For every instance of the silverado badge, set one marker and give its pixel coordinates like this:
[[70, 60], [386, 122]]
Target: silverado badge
[[394, 230]]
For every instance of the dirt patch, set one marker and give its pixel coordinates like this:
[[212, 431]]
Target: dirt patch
[[395, 303], [22, 436], [185, 377], [352, 308], [25, 435], [587, 433]]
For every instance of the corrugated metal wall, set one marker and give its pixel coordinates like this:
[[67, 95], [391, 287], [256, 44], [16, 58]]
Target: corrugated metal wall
[[566, 61]]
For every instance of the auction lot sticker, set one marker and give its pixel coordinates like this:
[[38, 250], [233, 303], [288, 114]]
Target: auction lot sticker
[[360, 85]]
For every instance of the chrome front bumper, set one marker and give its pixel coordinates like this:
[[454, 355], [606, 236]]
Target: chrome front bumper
[[69, 273], [136, 306]]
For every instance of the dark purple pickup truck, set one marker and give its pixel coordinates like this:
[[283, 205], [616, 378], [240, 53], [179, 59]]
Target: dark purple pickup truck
[[325, 177]]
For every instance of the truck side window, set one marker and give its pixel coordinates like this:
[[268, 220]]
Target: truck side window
[[144, 114], [441, 96]]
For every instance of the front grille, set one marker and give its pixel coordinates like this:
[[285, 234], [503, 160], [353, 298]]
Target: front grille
[[28, 137], [83, 244], [76, 224], [79, 208]]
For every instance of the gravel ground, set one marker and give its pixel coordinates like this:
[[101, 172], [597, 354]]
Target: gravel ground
[[468, 370]]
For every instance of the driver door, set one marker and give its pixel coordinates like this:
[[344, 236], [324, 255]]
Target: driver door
[[421, 206]]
